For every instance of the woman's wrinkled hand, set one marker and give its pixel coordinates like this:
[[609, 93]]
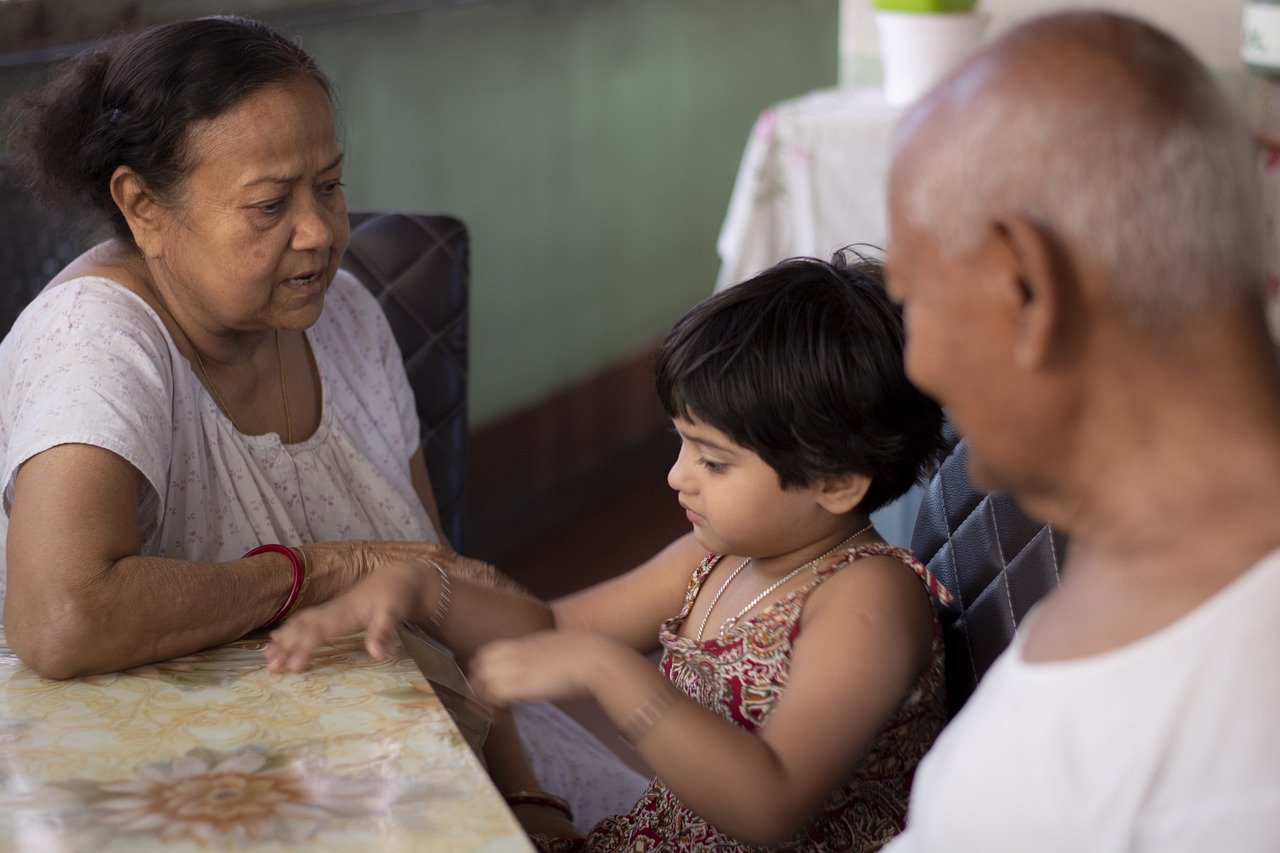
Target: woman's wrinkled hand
[[548, 665], [335, 567], [396, 590]]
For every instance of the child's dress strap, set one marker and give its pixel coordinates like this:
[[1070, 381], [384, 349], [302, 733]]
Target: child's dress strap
[[850, 555]]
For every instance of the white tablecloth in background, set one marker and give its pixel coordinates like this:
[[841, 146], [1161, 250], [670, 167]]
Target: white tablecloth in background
[[813, 180]]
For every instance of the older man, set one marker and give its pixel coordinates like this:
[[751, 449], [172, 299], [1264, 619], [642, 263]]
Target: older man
[[1077, 241]]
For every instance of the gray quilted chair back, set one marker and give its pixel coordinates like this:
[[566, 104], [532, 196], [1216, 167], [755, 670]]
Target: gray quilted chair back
[[995, 561], [418, 267], [34, 246]]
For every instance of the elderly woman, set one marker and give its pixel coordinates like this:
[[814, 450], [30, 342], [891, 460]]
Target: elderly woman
[[204, 424], [206, 382]]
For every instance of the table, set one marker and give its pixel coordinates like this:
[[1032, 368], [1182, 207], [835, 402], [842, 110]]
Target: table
[[813, 179], [211, 751]]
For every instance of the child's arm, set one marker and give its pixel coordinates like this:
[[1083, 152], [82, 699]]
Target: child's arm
[[628, 608], [631, 607], [407, 590], [864, 640]]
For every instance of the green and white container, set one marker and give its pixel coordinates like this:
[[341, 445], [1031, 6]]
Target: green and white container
[[922, 40], [1260, 37]]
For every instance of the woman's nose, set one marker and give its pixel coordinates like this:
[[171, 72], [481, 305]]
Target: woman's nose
[[313, 230]]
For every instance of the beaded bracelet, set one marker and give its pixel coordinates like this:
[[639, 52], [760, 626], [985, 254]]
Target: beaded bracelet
[[540, 798], [299, 580], [445, 599]]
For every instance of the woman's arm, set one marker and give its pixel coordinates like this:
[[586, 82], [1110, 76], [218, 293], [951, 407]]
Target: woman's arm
[[80, 599], [864, 640]]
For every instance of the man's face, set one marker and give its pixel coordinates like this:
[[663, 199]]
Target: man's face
[[955, 334]]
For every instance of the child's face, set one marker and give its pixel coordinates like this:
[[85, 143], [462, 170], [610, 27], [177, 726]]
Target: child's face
[[735, 501]]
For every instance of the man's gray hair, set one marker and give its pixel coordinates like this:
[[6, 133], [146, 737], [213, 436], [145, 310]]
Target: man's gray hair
[[1140, 162]]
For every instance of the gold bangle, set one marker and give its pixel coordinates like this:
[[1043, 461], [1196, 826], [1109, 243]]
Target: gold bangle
[[446, 597], [540, 798], [306, 569], [644, 718]]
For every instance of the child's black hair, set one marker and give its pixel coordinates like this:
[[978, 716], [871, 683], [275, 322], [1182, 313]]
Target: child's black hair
[[803, 364]]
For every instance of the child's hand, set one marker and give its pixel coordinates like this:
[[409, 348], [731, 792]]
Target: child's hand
[[384, 598], [547, 665]]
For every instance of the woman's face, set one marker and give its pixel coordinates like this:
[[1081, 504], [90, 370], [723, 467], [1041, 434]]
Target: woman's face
[[253, 235]]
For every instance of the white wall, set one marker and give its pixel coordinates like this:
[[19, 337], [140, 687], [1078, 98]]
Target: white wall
[[1211, 28]]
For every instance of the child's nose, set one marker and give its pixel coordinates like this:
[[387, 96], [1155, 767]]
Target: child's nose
[[677, 477]]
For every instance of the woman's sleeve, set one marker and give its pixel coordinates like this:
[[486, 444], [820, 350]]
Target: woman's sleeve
[[88, 364]]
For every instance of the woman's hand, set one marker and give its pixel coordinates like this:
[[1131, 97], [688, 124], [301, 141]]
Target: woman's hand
[[335, 567], [547, 665], [395, 591]]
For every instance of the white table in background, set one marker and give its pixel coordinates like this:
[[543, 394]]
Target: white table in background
[[812, 180]]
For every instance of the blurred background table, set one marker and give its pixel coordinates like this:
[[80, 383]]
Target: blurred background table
[[211, 751], [812, 180]]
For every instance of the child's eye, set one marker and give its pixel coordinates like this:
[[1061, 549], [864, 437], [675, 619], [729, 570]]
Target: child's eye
[[713, 467]]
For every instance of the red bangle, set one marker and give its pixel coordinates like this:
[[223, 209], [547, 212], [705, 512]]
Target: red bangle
[[299, 578]]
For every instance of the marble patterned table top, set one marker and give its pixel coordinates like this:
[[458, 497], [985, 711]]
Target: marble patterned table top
[[210, 751]]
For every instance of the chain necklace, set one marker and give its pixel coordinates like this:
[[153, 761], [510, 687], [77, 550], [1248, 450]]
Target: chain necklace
[[226, 410], [733, 620]]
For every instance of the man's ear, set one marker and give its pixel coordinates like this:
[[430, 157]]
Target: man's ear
[[1037, 286], [839, 494], [141, 209]]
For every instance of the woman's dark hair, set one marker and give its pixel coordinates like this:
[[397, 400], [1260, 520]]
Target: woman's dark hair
[[803, 364], [133, 101]]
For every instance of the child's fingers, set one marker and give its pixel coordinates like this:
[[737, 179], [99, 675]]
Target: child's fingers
[[382, 627], [480, 675], [498, 669], [293, 644]]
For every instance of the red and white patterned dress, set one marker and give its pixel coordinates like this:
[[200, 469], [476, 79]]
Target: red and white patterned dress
[[741, 678]]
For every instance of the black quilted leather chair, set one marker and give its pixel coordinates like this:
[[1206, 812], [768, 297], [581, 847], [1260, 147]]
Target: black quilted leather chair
[[417, 265], [995, 561], [34, 245]]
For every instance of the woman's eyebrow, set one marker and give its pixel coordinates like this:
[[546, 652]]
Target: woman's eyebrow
[[289, 179]]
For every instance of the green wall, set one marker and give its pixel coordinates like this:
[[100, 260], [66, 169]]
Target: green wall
[[589, 145]]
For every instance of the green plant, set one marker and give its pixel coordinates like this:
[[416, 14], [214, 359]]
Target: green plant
[[925, 6]]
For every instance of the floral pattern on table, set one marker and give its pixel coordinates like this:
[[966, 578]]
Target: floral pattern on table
[[211, 751]]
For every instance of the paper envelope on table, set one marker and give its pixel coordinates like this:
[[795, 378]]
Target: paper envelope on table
[[445, 676]]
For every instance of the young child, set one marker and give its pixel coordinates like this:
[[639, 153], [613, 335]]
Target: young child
[[801, 674]]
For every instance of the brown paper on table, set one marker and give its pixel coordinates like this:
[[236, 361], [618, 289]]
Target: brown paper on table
[[446, 679]]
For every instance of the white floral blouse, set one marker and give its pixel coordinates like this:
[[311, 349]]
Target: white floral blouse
[[88, 362]]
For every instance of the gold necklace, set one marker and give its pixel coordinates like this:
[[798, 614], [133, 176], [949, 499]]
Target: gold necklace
[[728, 624], [226, 410]]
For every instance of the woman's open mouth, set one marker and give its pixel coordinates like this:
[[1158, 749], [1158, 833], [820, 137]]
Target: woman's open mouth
[[309, 282]]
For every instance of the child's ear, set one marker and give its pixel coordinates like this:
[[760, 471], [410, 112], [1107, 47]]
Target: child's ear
[[841, 493]]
